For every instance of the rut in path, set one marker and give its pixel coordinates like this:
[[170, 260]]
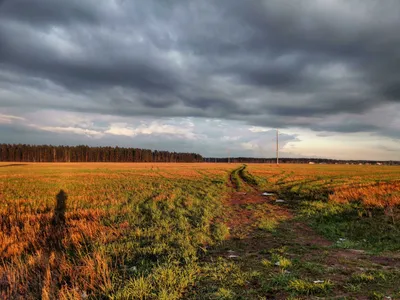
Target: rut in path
[[243, 221]]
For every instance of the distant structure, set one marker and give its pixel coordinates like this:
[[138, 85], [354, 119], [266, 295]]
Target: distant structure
[[277, 146]]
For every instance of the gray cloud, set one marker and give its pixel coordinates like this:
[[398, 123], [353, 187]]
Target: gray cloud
[[266, 63]]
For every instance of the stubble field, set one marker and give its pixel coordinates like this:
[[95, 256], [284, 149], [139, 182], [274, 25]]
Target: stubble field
[[199, 231]]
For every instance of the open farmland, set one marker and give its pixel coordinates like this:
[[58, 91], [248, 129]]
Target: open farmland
[[198, 231]]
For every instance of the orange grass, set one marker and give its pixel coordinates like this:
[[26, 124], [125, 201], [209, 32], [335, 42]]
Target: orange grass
[[57, 261], [373, 186]]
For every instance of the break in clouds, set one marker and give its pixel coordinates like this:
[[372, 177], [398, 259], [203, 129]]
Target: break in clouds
[[213, 77]]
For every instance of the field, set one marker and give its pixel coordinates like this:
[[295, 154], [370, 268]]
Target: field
[[199, 231]]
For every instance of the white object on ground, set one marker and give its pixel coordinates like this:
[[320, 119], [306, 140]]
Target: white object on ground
[[319, 281], [233, 256], [280, 201], [267, 194]]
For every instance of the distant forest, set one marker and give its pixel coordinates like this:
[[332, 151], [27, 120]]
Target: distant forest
[[48, 153], [284, 160]]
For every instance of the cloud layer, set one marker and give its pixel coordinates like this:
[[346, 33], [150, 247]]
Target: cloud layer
[[330, 67]]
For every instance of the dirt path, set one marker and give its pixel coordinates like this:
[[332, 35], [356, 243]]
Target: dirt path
[[241, 217], [259, 226]]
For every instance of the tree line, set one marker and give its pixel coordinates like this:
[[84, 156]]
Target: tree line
[[82, 153], [302, 160]]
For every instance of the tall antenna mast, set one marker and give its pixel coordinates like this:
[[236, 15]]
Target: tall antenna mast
[[277, 146]]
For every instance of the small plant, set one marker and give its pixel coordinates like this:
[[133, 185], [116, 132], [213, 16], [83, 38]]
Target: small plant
[[377, 296], [346, 244], [362, 278], [224, 294], [266, 263], [353, 287], [267, 224], [313, 268], [310, 288], [220, 232], [280, 280], [281, 250], [137, 288], [281, 261]]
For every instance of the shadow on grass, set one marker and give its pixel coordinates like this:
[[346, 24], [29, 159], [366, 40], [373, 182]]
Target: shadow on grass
[[45, 251], [51, 232], [57, 231], [13, 165]]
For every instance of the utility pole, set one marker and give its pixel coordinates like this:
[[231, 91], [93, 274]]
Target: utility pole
[[277, 146]]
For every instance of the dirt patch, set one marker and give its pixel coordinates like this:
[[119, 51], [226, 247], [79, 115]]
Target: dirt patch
[[239, 198], [244, 209], [305, 235], [392, 262], [240, 219]]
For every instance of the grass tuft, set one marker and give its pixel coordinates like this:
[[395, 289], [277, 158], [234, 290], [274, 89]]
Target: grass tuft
[[310, 288]]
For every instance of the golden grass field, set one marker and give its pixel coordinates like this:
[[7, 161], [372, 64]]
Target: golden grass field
[[148, 230]]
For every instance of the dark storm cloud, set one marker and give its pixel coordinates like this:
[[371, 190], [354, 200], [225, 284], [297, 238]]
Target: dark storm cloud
[[391, 90], [104, 70], [347, 127], [262, 62], [321, 107]]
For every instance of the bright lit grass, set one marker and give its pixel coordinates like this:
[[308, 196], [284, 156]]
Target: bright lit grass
[[304, 287]]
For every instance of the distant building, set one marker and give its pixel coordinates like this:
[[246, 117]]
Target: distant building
[[311, 163]]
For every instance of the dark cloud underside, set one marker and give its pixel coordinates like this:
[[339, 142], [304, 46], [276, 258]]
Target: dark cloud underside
[[270, 63]]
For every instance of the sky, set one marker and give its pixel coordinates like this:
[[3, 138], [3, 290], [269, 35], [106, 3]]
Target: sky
[[211, 77]]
